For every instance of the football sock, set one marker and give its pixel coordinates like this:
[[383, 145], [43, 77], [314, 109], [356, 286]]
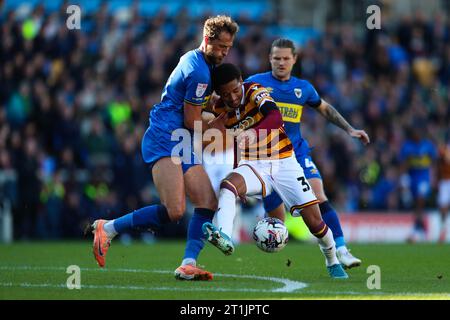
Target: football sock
[[226, 211], [326, 242], [109, 229], [330, 216], [189, 261], [195, 235], [320, 230], [148, 217], [327, 246]]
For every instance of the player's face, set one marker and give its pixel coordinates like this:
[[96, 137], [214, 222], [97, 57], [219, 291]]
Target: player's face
[[231, 93], [282, 61], [217, 49]]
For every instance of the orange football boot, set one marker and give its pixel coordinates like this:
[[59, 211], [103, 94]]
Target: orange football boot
[[190, 272], [101, 242]]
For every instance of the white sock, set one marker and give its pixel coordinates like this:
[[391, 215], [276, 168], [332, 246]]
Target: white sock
[[327, 246], [226, 211], [189, 261], [109, 229]]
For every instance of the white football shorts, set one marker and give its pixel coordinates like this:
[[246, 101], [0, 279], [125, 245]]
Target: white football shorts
[[285, 176]]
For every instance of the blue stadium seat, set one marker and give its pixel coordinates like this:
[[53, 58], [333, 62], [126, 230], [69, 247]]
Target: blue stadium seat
[[115, 5], [148, 9], [87, 6], [253, 10], [197, 8], [14, 4], [53, 5], [298, 34]]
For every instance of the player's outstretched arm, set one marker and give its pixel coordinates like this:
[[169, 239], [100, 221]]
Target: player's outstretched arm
[[332, 115], [193, 113]]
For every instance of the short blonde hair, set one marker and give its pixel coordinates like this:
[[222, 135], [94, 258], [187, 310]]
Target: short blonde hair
[[214, 26]]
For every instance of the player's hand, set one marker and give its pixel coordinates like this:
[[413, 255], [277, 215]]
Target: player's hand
[[207, 116], [218, 122], [246, 138], [361, 135], [213, 100]]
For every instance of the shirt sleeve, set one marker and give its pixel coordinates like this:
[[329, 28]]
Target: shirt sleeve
[[198, 88], [314, 100], [261, 96], [250, 79]]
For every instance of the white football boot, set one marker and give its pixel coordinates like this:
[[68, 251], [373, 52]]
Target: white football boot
[[347, 260]]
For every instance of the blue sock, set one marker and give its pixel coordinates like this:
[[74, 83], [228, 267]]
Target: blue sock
[[195, 235], [331, 218], [148, 217]]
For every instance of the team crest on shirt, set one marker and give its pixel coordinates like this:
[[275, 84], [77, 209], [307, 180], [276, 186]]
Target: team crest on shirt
[[298, 92], [201, 88]]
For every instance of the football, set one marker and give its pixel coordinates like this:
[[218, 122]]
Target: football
[[270, 234]]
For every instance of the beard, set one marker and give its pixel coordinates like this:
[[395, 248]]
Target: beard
[[213, 59]]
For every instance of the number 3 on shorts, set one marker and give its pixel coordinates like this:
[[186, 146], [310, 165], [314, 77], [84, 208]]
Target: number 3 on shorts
[[305, 184]]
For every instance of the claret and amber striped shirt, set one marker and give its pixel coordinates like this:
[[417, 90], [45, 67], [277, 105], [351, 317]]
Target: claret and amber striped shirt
[[271, 144]]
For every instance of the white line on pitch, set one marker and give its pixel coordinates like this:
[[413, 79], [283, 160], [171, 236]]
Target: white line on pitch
[[288, 285]]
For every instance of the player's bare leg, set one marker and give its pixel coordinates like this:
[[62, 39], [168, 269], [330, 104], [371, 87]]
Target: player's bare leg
[[343, 253], [169, 181], [199, 188], [313, 220], [168, 178], [278, 212], [200, 192]]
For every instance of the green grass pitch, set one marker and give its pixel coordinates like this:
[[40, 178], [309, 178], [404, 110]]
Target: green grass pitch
[[142, 271]]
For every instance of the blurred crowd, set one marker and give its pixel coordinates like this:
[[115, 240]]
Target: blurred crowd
[[74, 105]]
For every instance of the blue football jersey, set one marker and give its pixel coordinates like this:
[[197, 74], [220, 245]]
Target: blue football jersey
[[189, 82], [291, 96], [418, 156]]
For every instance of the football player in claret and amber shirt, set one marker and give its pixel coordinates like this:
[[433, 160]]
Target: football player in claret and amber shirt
[[267, 163]]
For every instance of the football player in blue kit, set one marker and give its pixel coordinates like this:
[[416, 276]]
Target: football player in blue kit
[[291, 95], [417, 155], [175, 175]]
